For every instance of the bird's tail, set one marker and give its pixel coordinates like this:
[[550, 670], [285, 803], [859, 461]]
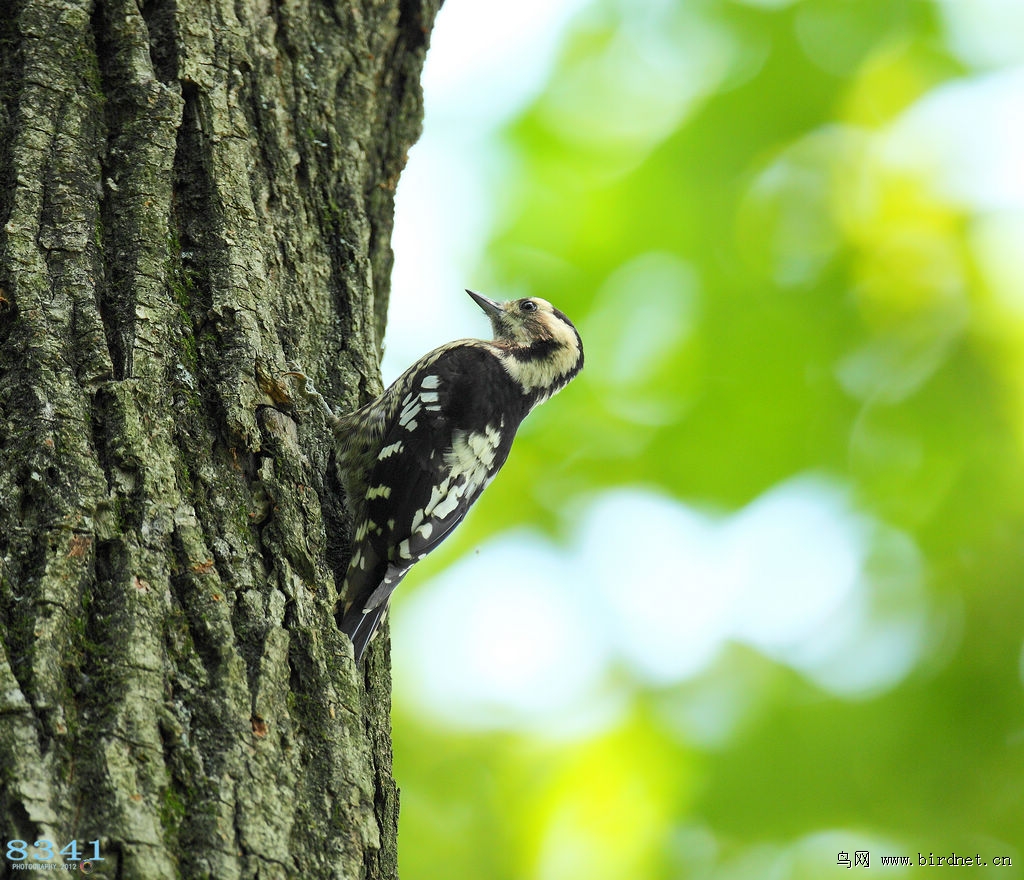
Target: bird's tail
[[360, 627], [362, 619]]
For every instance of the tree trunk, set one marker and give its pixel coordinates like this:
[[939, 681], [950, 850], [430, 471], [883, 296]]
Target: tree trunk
[[193, 196]]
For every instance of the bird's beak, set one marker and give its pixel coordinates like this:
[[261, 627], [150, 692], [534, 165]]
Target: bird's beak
[[491, 308]]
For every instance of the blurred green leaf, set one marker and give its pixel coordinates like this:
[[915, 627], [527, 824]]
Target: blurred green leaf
[[767, 284]]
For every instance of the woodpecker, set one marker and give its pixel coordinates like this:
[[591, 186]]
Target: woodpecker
[[413, 461]]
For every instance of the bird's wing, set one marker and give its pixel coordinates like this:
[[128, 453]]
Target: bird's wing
[[449, 434]]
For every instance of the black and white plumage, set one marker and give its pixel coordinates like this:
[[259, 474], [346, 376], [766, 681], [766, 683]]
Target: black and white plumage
[[413, 461]]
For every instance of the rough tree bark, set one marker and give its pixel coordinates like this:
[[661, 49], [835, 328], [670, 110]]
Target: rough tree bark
[[193, 194]]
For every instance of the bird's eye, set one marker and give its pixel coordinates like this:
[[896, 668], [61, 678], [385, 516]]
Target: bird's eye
[[527, 305]]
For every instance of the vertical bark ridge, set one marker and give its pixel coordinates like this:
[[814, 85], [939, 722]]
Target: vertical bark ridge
[[192, 196]]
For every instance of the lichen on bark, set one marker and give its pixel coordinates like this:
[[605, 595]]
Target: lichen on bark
[[193, 196]]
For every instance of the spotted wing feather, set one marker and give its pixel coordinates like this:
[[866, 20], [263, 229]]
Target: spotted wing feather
[[442, 446]]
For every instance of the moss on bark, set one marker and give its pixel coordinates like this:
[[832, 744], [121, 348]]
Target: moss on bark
[[192, 196]]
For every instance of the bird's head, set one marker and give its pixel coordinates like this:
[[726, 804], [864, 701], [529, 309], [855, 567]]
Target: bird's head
[[543, 346], [521, 323]]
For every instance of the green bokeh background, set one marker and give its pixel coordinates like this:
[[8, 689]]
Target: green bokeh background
[[764, 291]]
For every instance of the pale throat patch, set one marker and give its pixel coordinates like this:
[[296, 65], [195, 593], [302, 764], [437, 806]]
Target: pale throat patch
[[543, 372]]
